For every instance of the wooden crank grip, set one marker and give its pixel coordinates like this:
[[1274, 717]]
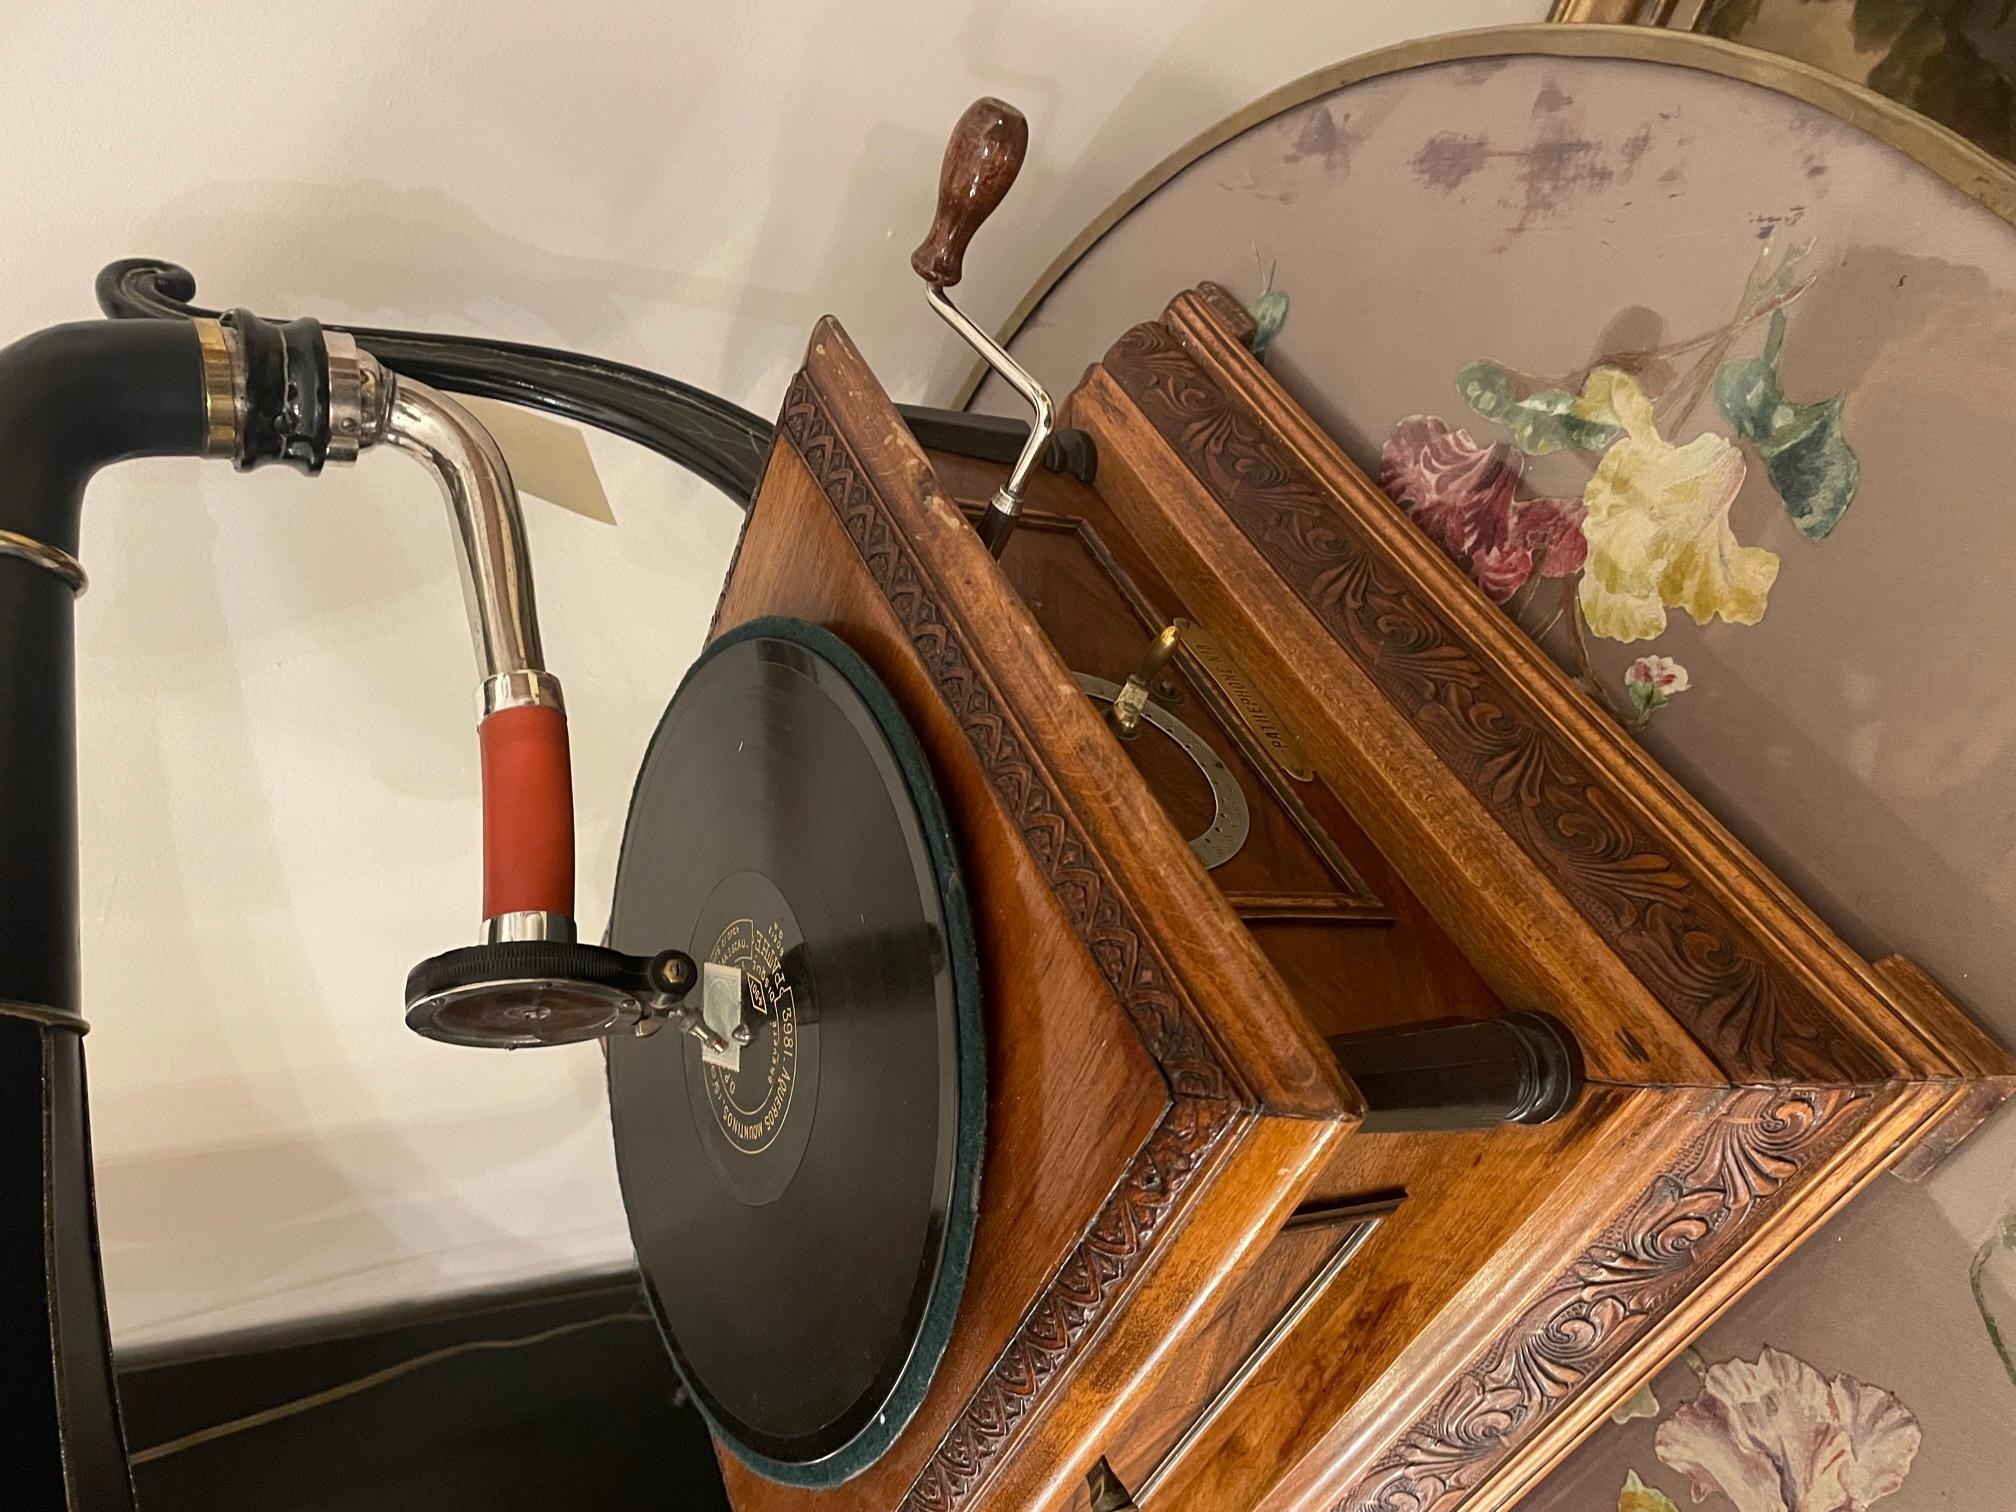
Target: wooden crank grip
[[981, 161]]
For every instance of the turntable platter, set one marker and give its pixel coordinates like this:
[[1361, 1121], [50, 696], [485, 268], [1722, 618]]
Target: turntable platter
[[802, 1219]]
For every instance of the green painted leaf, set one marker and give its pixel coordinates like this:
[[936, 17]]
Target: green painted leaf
[[1804, 452], [1270, 313], [1540, 423], [1643, 1403]]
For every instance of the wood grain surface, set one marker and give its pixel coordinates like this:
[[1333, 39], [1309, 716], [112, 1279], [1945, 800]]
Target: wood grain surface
[[851, 529], [1476, 836]]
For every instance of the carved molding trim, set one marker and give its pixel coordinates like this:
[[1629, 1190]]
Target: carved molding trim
[[1692, 952], [1231, 314], [1693, 1215], [1204, 1095]]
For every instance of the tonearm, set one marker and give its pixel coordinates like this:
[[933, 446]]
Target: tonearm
[[74, 399]]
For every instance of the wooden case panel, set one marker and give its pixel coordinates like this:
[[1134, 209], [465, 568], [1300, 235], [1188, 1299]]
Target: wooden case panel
[[1145, 1056], [1579, 877], [1361, 954], [1056, 1144]]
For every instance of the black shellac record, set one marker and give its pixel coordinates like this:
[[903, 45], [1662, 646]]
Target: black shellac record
[[803, 1224]]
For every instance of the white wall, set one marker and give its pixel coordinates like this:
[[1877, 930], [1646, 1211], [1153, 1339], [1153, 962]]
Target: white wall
[[278, 765]]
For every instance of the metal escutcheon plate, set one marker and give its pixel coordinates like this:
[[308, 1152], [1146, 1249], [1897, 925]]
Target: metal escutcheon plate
[[1231, 819]]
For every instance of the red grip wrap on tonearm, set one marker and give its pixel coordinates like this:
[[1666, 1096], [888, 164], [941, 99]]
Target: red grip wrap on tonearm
[[528, 812]]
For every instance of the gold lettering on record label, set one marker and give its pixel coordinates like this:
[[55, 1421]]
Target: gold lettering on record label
[[752, 1104], [1254, 710]]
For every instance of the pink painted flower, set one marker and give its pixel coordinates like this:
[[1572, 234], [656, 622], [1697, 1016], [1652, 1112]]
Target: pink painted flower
[[1651, 681], [1465, 498], [1777, 1436], [1661, 672]]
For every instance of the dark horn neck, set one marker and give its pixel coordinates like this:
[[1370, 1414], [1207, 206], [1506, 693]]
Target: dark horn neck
[[72, 399]]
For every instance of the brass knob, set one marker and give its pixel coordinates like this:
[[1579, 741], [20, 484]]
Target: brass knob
[[1125, 715]]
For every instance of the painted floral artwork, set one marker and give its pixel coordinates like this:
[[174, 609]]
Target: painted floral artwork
[[1775, 1435], [1651, 531]]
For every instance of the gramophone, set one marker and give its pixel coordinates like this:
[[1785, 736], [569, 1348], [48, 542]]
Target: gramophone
[[1129, 983]]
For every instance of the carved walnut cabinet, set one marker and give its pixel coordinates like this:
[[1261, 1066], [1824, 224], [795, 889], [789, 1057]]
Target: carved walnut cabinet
[[1201, 1255]]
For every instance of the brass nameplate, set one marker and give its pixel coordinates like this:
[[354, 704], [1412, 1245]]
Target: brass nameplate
[[1253, 708]]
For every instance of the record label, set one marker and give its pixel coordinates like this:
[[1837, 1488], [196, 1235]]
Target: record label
[[756, 1122]]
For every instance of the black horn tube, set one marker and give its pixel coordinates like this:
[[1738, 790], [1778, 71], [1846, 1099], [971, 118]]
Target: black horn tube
[[72, 399], [711, 437]]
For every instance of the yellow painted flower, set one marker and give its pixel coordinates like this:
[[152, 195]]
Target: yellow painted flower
[[1658, 524], [1639, 1497]]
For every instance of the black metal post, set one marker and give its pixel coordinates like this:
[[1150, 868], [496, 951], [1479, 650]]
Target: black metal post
[[1463, 1074]]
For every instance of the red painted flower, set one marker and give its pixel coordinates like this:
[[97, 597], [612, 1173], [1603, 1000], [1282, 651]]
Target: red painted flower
[[1464, 497]]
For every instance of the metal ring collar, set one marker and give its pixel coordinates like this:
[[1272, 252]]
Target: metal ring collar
[[223, 387], [41, 1013], [50, 558]]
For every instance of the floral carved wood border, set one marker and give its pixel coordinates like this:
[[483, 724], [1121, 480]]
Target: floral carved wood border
[[1205, 1096], [1703, 963], [1693, 1215]]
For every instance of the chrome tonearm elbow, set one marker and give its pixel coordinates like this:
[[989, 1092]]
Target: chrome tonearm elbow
[[345, 403], [489, 530], [529, 980]]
